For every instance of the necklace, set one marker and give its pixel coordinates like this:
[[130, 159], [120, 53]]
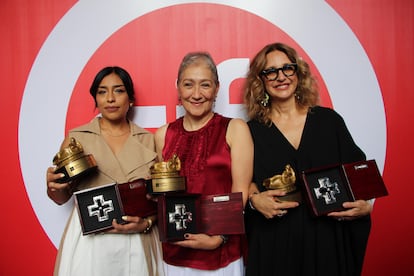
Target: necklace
[[114, 135], [108, 131]]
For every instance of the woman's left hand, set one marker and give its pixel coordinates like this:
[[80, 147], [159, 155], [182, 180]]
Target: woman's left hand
[[355, 209], [133, 225], [200, 241]]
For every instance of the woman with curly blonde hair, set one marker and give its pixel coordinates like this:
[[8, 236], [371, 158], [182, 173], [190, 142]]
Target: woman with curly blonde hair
[[256, 96], [290, 130]]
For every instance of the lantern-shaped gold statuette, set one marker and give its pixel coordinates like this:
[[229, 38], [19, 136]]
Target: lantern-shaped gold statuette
[[285, 182], [165, 177], [72, 162]]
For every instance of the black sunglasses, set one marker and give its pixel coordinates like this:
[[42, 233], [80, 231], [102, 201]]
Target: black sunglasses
[[287, 70]]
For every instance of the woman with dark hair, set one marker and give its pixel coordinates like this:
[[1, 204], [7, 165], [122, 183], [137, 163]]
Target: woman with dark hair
[[121, 73], [290, 129], [124, 153]]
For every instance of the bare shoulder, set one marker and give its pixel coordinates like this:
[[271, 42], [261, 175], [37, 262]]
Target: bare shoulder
[[237, 124], [238, 131]]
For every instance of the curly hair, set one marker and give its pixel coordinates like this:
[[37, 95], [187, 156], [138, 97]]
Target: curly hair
[[306, 93]]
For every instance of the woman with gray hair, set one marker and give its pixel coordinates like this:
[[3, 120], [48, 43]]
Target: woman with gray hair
[[216, 156]]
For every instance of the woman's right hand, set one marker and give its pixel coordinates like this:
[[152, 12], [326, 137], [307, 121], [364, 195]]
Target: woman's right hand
[[268, 204], [200, 241], [58, 192]]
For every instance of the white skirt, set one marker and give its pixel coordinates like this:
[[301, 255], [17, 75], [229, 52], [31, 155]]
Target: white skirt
[[107, 254], [235, 268]]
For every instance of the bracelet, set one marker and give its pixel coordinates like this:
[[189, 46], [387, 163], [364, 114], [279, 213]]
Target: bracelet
[[149, 221], [250, 200], [224, 238]]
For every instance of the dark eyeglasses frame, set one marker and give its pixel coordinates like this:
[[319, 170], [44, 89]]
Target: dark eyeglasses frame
[[284, 68]]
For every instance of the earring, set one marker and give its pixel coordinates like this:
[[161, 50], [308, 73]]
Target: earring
[[265, 100], [297, 97]]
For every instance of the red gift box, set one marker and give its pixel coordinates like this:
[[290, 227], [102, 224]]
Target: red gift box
[[134, 201], [220, 214], [328, 187]]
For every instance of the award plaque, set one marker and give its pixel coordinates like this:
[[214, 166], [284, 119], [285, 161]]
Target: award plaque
[[285, 182], [328, 187], [97, 207], [165, 177], [72, 162], [134, 201], [179, 214]]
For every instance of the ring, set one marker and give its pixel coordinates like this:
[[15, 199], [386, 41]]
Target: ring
[[282, 213]]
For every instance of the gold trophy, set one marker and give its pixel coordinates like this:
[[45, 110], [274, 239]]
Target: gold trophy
[[285, 182], [165, 177], [72, 162]]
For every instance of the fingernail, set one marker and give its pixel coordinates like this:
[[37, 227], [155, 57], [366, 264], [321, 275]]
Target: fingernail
[[124, 217]]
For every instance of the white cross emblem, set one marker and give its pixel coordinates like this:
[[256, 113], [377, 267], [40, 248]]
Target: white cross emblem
[[100, 208]]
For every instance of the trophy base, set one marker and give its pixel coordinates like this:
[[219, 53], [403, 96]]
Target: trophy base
[[77, 168], [165, 185], [292, 196]]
